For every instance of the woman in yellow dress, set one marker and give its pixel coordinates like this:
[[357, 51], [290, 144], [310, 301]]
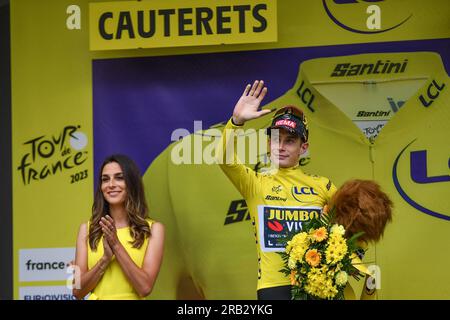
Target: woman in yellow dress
[[119, 250]]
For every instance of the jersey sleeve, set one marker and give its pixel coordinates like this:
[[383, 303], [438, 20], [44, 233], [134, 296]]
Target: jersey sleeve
[[328, 189], [242, 177]]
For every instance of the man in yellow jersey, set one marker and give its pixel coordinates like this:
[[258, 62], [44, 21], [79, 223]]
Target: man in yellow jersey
[[280, 199]]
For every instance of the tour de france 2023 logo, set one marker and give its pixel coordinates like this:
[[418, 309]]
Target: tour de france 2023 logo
[[53, 154], [367, 16]]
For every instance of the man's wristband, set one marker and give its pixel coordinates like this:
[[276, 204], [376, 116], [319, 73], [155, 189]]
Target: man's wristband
[[234, 124]]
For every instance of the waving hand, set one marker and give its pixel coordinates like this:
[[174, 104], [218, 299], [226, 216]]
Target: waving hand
[[247, 106]]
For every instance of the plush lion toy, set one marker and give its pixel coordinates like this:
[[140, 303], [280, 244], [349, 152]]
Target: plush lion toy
[[360, 205]]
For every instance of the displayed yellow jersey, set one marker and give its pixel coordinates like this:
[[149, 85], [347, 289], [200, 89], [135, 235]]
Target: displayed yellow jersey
[[279, 201], [383, 116], [114, 284]]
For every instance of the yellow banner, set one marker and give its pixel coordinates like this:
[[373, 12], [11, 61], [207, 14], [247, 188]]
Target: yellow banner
[[152, 24]]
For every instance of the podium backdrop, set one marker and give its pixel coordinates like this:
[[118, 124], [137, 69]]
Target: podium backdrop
[[77, 97]]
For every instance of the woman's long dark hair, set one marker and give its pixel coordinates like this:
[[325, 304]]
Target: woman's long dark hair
[[135, 203]]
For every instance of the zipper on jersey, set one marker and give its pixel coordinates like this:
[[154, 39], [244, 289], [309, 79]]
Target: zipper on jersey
[[372, 155]]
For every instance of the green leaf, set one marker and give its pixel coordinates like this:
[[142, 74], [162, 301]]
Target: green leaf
[[355, 236], [327, 219]]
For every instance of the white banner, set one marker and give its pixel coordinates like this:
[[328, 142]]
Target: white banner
[[45, 264]]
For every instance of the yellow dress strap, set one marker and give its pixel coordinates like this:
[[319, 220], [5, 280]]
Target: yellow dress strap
[[150, 222]]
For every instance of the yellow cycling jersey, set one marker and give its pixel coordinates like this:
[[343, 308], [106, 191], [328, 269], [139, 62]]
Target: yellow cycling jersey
[[279, 201]]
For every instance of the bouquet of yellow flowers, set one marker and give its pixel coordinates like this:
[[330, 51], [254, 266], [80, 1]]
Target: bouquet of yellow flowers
[[320, 259]]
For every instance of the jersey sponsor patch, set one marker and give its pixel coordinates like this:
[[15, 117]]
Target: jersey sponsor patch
[[278, 223], [274, 198], [305, 194]]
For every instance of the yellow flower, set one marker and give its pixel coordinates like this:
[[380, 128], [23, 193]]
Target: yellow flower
[[292, 263], [313, 257], [288, 247], [331, 273], [319, 284], [337, 229], [297, 246], [297, 253], [341, 278], [300, 239], [336, 249], [319, 234]]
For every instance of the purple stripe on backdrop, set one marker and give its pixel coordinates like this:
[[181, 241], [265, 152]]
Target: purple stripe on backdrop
[[138, 102]]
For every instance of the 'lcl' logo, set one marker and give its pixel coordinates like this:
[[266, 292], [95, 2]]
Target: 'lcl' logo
[[306, 95], [419, 174], [419, 169], [432, 93], [304, 190], [297, 192]]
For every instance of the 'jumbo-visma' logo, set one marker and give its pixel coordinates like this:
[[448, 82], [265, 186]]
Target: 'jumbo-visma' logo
[[366, 16], [52, 154], [276, 223], [418, 170]]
